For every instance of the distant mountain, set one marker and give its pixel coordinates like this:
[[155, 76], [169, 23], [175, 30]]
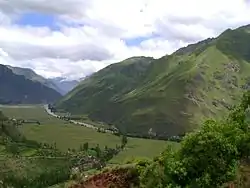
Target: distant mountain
[[31, 75], [63, 85], [16, 88], [173, 94]]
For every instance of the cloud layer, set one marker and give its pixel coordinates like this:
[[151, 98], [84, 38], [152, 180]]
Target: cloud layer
[[95, 33]]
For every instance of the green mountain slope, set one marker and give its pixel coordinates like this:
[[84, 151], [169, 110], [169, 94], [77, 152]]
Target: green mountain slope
[[175, 93], [106, 86], [18, 89]]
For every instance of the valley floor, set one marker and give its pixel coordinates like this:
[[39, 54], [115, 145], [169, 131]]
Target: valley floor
[[64, 135]]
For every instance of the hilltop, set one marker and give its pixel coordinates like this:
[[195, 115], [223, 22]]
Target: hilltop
[[18, 89], [96, 93], [170, 95]]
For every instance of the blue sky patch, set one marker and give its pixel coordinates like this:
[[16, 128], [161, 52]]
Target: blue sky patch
[[135, 41], [38, 20], [138, 40]]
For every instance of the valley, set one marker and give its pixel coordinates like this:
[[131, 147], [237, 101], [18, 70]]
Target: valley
[[181, 120], [63, 137], [71, 136]]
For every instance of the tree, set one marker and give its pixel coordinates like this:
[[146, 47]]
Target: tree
[[124, 140], [98, 151], [81, 147], [12, 147], [3, 118], [86, 146], [105, 147], [208, 157], [55, 147]]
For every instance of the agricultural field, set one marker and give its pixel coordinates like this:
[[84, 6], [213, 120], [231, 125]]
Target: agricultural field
[[26, 165], [142, 148], [66, 135], [53, 130]]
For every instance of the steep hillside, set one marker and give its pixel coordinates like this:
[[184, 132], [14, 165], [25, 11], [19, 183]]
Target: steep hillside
[[96, 92], [64, 86], [174, 93], [18, 89]]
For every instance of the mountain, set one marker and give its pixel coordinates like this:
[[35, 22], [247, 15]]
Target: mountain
[[16, 88], [59, 84], [170, 95], [109, 84], [63, 85], [31, 75]]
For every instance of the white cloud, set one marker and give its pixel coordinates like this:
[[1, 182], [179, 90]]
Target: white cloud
[[94, 32], [62, 7]]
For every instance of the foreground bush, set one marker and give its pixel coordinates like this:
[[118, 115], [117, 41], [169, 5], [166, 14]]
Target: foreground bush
[[209, 157]]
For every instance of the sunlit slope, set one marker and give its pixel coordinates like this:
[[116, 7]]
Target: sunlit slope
[[172, 94]]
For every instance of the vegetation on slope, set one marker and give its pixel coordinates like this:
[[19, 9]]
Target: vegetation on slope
[[26, 163], [174, 94], [72, 136], [101, 91], [235, 43], [18, 89], [208, 157]]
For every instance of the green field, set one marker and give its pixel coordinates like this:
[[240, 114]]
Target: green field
[[142, 148], [67, 135]]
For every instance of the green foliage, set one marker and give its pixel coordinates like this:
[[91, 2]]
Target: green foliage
[[208, 157], [45, 179], [12, 147], [124, 140], [2, 117], [86, 146], [98, 150]]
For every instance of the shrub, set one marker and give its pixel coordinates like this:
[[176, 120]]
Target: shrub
[[208, 157]]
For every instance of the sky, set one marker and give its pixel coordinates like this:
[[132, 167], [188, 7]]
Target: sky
[[74, 38]]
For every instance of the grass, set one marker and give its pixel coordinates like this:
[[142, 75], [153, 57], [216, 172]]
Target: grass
[[54, 130], [142, 148], [29, 167], [68, 135], [85, 119], [63, 185], [27, 164]]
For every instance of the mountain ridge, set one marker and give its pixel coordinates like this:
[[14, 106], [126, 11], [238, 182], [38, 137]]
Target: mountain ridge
[[18, 89], [64, 86], [32, 75], [59, 84], [176, 92]]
